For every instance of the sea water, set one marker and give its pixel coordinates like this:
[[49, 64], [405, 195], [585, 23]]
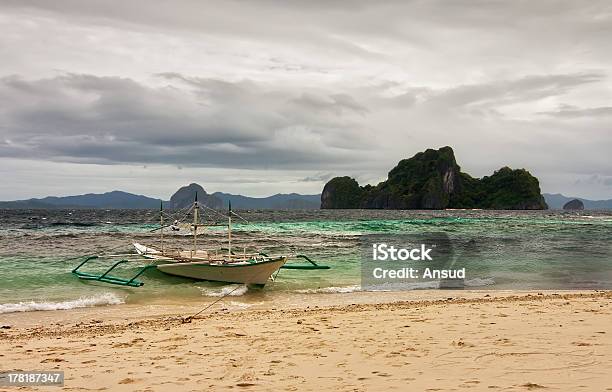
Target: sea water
[[499, 249]]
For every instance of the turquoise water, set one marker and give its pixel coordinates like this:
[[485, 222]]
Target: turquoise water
[[500, 249]]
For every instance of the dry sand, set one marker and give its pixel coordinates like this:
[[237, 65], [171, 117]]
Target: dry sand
[[476, 341]]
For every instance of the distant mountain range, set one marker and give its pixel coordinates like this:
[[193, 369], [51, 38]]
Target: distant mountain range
[[125, 200], [114, 199], [291, 201], [556, 201]]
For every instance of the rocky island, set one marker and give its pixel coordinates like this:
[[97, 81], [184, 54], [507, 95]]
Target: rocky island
[[433, 180], [574, 205], [184, 197]]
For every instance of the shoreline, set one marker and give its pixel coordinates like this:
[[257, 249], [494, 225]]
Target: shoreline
[[436, 340], [283, 302]]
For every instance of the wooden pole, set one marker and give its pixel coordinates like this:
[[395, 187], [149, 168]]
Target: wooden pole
[[229, 231], [161, 225], [195, 223]]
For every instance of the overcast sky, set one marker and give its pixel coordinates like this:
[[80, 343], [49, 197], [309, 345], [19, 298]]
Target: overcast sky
[[261, 97]]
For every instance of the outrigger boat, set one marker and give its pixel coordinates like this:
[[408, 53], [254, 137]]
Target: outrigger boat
[[222, 265]]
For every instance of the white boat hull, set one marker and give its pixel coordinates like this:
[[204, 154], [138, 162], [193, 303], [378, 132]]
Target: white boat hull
[[252, 274]]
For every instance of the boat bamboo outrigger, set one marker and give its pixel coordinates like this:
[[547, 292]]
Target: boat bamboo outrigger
[[220, 265]]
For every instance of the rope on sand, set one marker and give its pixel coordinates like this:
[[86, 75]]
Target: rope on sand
[[189, 318]]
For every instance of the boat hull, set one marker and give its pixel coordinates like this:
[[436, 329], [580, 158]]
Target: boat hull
[[251, 274]]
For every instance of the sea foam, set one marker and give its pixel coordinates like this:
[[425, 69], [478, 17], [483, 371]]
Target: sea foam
[[82, 302], [225, 291], [330, 290]]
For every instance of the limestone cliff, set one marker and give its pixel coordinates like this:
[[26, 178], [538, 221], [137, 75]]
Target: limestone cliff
[[433, 180], [341, 192]]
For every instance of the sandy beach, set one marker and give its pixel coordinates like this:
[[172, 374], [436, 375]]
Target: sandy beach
[[430, 341]]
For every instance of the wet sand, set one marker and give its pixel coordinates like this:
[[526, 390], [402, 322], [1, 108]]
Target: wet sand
[[428, 340]]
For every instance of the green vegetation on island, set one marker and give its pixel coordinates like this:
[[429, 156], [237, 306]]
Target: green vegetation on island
[[433, 180]]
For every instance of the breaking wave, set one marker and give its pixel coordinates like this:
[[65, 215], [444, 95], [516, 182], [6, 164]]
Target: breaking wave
[[226, 290], [82, 302]]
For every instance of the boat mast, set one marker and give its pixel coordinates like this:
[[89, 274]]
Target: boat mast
[[161, 224], [229, 231], [196, 210]]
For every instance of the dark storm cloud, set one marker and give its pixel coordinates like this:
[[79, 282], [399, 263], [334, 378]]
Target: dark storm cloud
[[84, 118], [207, 122]]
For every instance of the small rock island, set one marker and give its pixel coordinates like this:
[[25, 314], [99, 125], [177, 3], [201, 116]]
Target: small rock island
[[574, 205], [433, 180], [185, 195]]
